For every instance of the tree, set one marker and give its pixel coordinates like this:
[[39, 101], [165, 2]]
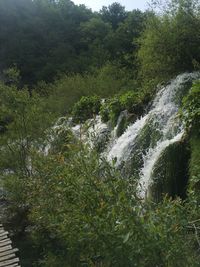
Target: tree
[[170, 43], [123, 43], [23, 122], [114, 14]]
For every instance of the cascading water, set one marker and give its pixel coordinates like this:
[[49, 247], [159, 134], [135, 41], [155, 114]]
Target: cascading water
[[139, 148], [159, 128], [121, 148]]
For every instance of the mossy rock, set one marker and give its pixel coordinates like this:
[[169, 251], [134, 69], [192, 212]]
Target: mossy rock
[[194, 166], [170, 174], [181, 93]]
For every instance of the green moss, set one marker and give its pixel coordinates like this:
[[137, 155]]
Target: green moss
[[191, 117], [170, 174], [191, 108], [194, 166]]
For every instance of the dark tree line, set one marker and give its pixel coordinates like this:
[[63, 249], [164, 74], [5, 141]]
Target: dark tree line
[[45, 37]]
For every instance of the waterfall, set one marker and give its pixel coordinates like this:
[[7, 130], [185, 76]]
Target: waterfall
[[121, 148], [146, 139], [137, 150]]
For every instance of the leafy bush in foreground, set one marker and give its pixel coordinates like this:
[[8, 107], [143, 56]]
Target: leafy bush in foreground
[[85, 214]]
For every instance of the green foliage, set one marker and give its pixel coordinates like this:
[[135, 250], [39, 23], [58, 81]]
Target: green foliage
[[170, 43], [82, 211], [114, 14], [97, 217], [110, 110], [86, 108], [62, 37], [27, 119], [191, 117], [104, 111], [170, 173], [71, 205], [194, 167], [123, 44], [67, 90], [23, 132], [12, 76], [132, 101], [191, 108]]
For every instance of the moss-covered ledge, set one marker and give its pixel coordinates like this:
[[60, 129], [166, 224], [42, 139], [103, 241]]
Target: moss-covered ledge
[[194, 165], [170, 175]]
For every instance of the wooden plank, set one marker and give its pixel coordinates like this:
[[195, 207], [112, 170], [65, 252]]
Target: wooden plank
[[7, 252], [3, 237], [13, 265], [4, 233], [5, 243], [8, 262], [5, 248], [7, 257], [4, 240]]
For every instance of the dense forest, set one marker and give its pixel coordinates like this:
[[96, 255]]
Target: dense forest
[[67, 198]]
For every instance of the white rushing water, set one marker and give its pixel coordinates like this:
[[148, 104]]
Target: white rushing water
[[120, 149], [91, 132], [163, 119]]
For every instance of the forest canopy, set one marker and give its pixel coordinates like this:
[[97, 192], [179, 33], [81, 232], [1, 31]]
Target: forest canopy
[[44, 38]]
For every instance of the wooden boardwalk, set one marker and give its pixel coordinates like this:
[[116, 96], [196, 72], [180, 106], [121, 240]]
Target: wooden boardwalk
[[7, 253]]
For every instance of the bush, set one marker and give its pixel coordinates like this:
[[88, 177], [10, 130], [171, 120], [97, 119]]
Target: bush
[[86, 108], [67, 90], [97, 217], [110, 110], [129, 100], [133, 102]]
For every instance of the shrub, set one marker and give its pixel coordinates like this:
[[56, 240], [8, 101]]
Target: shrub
[[67, 90], [110, 110], [86, 108], [129, 100], [97, 217]]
